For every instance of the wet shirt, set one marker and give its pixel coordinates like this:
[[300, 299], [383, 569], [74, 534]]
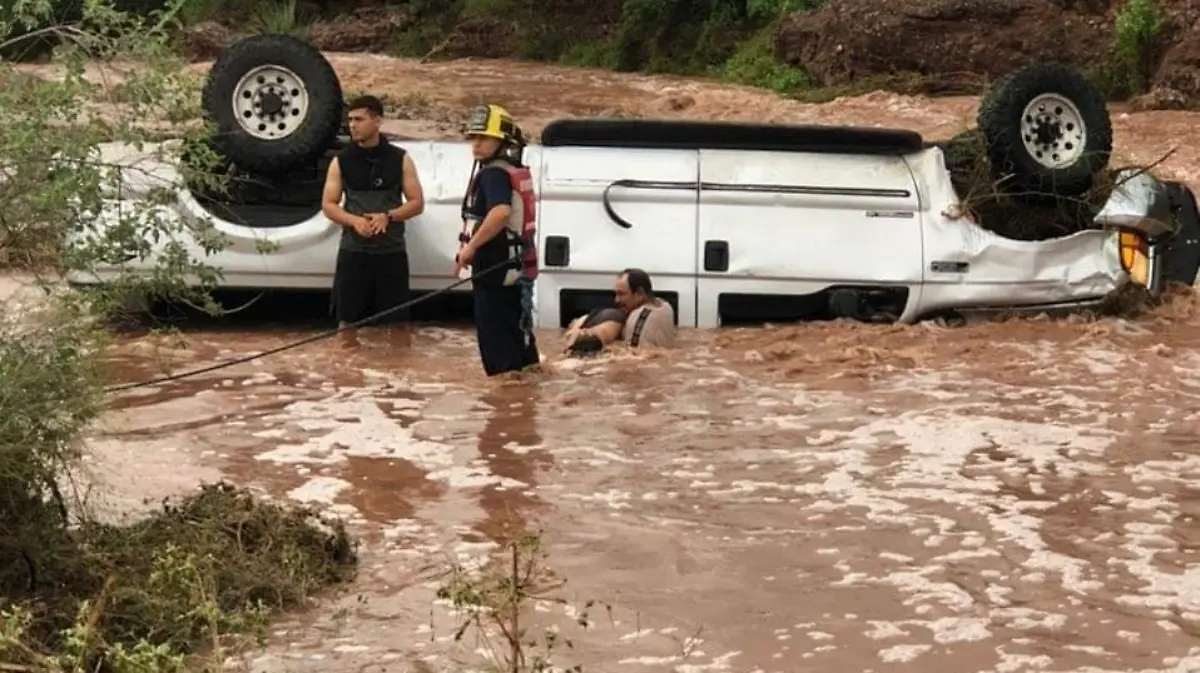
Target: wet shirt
[[373, 182], [652, 324], [492, 188], [599, 316]]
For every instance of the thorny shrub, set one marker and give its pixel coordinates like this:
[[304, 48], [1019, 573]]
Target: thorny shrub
[[75, 594]]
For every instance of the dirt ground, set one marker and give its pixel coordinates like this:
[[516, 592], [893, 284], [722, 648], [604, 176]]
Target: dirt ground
[[1004, 497]]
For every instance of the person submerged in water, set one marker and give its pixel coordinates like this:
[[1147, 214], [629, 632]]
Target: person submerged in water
[[638, 318], [590, 333]]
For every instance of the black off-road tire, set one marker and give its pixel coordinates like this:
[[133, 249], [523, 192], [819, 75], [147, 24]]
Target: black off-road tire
[[305, 139], [1069, 113], [1181, 255]]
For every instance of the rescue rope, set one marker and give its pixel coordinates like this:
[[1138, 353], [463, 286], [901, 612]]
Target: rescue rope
[[301, 342]]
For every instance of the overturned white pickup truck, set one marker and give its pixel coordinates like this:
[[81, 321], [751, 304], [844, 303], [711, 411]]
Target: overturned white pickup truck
[[733, 221]]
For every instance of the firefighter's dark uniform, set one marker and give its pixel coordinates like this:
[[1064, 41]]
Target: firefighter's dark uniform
[[503, 298]]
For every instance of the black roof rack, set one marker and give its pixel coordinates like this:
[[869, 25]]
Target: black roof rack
[[694, 135]]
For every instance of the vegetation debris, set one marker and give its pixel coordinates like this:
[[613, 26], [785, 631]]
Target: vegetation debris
[[215, 564], [1017, 216]]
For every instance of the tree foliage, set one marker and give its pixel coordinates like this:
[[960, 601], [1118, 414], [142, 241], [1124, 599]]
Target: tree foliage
[[59, 218], [114, 80], [62, 214], [87, 190]]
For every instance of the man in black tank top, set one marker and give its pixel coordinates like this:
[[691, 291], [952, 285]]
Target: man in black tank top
[[382, 190]]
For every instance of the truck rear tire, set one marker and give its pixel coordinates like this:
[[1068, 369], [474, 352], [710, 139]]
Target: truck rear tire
[[1181, 256], [1047, 130], [276, 103]]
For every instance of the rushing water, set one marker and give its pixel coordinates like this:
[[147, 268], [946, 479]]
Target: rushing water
[[1010, 496]]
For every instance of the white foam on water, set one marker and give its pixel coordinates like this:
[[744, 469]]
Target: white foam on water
[[375, 435], [938, 448], [899, 654], [473, 477], [635, 635], [723, 662], [884, 630], [323, 490], [649, 661]]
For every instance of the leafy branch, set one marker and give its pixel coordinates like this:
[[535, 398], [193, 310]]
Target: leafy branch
[[489, 603]]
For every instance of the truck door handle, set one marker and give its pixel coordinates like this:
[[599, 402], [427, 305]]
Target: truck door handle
[[558, 251], [639, 184], [716, 255]]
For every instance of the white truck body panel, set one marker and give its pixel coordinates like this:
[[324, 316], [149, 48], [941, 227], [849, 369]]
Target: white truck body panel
[[1003, 272], [797, 223], [663, 237]]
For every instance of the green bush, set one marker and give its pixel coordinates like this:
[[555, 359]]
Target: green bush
[[666, 36], [600, 54], [281, 18], [76, 595], [769, 10], [1137, 28], [755, 64]]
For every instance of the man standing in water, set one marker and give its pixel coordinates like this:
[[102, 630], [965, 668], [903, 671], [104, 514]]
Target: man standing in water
[[382, 190], [499, 211]]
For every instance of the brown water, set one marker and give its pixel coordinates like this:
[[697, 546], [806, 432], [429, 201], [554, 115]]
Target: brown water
[[1001, 497]]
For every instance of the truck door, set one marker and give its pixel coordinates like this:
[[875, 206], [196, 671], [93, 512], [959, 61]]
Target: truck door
[[784, 228], [605, 209]]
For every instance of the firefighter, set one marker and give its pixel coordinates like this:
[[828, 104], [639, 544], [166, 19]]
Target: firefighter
[[499, 241]]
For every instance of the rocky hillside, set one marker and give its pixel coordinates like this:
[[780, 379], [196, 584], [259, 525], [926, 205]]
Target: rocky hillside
[[1146, 48], [627, 35], [1128, 46]]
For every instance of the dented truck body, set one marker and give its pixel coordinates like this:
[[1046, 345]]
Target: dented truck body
[[734, 222], [738, 222]]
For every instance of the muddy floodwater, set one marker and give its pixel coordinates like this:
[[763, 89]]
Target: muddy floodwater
[[1010, 497]]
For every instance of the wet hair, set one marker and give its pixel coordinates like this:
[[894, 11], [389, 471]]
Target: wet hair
[[639, 281], [588, 344], [369, 103]]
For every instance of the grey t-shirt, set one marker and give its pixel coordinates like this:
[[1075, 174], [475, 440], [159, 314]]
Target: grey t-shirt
[[652, 324]]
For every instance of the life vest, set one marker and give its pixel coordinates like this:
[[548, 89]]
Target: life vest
[[522, 224], [521, 228]]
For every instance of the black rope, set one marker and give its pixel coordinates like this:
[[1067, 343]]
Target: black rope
[[302, 342]]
